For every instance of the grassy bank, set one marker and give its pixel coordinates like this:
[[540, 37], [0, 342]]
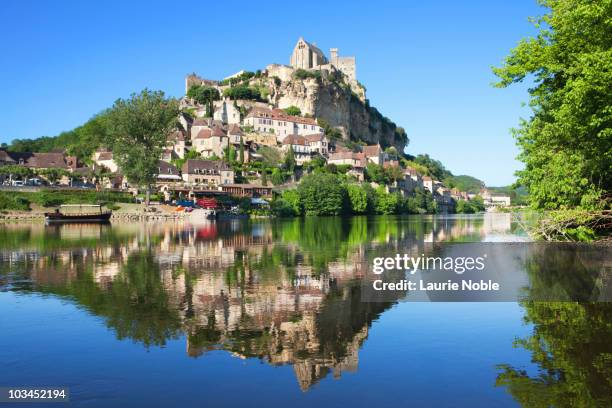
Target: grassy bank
[[22, 201]]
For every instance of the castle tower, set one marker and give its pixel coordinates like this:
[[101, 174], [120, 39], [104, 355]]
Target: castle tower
[[333, 56]]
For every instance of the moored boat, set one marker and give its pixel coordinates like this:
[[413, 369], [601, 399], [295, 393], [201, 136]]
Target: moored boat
[[91, 216]]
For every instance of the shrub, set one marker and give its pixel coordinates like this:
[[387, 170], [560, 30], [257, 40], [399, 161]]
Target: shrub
[[304, 74], [293, 111], [12, 201]]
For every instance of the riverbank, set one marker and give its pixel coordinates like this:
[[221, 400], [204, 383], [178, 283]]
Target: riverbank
[[121, 212]]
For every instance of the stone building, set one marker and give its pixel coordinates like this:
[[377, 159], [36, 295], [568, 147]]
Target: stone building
[[308, 56], [226, 112], [207, 172], [282, 125], [301, 149]]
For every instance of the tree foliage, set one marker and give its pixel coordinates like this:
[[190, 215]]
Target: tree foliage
[[566, 144], [137, 129], [293, 111], [321, 194], [204, 95]]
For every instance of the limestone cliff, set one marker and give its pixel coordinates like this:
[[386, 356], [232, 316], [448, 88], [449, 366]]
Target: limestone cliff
[[340, 102]]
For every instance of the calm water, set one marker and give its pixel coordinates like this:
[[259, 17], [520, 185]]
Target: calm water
[[270, 313]]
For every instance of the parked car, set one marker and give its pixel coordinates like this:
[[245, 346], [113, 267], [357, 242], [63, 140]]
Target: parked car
[[18, 183], [79, 184], [36, 182]]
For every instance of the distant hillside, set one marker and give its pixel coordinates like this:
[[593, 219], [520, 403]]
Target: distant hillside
[[81, 141], [464, 183]]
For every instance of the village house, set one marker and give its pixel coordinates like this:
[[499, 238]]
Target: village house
[[167, 172], [357, 161], [104, 157], [234, 134], [494, 200], [276, 121], [177, 140], [200, 124], [44, 161], [373, 154], [301, 149], [226, 112], [318, 143], [210, 142], [207, 172], [411, 181], [428, 184], [415, 176]]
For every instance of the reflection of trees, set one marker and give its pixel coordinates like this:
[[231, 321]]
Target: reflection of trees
[[570, 342], [571, 346], [135, 304], [566, 272]]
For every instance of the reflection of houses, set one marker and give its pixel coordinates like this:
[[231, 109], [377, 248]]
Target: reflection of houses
[[239, 286]]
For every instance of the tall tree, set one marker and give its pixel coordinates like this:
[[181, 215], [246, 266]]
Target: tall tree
[[241, 151], [290, 160], [566, 144], [137, 130]]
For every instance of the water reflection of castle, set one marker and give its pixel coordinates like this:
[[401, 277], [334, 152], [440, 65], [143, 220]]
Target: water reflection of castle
[[286, 293]]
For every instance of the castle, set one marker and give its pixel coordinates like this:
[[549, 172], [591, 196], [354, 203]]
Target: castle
[[307, 56]]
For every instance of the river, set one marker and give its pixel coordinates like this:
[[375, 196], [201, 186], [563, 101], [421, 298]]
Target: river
[[281, 313]]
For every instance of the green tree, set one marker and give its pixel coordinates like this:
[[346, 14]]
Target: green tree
[[204, 95], [264, 177], [358, 198], [566, 144], [15, 172], [292, 198], [290, 160], [137, 129], [394, 173], [293, 111], [53, 175], [241, 151], [434, 167], [386, 203], [277, 177], [229, 154], [322, 194], [376, 173]]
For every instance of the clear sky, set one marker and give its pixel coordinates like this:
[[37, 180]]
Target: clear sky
[[426, 65]]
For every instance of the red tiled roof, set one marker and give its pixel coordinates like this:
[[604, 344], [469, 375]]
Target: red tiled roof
[[177, 135], [317, 137], [218, 132], [204, 134], [105, 156], [259, 112], [234, 130], [280, 114], [370, 151], [294, 140], [200, 122], [41, 160]]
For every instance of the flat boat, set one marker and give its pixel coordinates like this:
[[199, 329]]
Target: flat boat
[[93, 214]]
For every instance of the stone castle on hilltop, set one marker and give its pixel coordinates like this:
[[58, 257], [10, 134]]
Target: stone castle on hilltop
[[307, 56]]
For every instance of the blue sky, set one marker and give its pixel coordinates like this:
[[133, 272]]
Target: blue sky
[[426, 65]]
